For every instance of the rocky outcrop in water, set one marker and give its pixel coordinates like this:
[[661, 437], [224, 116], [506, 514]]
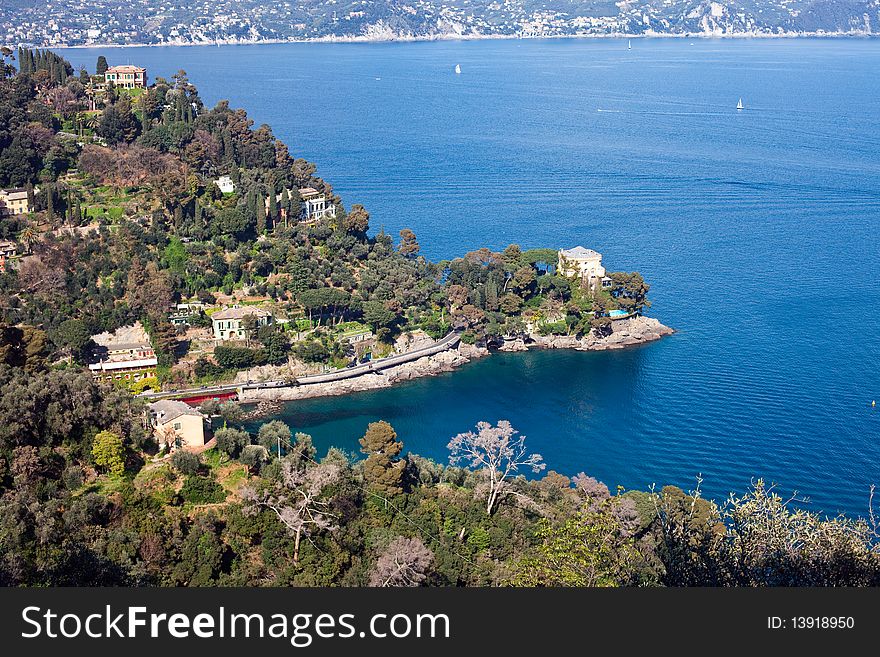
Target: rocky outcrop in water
[[624, 333]]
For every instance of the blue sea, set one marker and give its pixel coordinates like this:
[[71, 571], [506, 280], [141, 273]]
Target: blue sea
[[758, 230]]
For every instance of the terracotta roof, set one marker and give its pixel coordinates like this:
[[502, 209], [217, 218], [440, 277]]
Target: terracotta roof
[[239, 313], [126, 68]]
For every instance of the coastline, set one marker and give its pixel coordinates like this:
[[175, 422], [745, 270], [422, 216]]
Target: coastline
[[413, 38], [625, 333]]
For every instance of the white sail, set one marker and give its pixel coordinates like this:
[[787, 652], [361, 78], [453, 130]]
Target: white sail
[[739, 105], [629, 45], [458, 69]]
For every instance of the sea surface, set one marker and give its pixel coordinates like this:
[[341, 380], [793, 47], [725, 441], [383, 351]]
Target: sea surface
[[758, 230]]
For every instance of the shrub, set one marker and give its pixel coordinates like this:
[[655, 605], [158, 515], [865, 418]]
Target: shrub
[[238, 358], [232, 441], [185, 462], [72, 477], [202, 490], [254, 457]]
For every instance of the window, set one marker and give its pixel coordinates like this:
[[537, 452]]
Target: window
[[177, 426]]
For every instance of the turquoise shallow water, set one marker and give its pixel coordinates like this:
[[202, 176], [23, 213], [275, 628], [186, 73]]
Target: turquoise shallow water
[[757, 229]]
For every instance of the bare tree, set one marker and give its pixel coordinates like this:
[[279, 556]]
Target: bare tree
[[298, 500], [405, 562], [499, 452]]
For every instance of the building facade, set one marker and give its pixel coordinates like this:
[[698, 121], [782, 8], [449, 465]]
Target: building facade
[[14, 201], [225, 184], [127, 77], [177, 424], [315, 205], [229, 324], [124, 355], [584, 265], [8, 249]]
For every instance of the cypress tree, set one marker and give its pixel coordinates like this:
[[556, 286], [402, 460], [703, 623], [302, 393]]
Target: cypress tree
[[261, 213], [50, 202], [102, 65], [284, 206], [273, 207]]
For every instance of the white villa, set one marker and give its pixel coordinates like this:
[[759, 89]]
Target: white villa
[[225, 184], [585, 265], [314, 206], [228, 323]]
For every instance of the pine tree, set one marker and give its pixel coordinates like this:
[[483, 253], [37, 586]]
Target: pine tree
[[102, 66], [382, 472]]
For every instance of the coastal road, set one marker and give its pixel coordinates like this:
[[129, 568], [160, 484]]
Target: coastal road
[[448, 342]]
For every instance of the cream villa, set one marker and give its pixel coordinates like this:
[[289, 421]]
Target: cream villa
[[176, 424], [14, 201], [127, 77], [228, 324], [585, 265]]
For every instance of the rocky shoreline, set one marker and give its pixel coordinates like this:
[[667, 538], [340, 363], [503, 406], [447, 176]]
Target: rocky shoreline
[[625, 333]]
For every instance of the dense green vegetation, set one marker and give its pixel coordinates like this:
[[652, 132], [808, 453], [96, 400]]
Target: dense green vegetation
[[264, 510], [127, 221]]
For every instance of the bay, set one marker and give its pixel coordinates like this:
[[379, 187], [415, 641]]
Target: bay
[[758, 231]]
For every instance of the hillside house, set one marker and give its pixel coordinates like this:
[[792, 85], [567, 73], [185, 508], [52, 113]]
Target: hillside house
[[177, 424], [228, 324], [225, 184], [123, 355], [14, 202]]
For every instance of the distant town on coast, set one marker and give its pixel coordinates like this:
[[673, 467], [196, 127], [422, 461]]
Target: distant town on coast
[[147, 22]]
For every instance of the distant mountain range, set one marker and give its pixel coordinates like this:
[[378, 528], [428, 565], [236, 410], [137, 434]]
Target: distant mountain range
[[58, 23]]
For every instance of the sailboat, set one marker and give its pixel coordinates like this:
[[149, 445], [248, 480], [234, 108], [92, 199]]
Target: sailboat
[[739, 105], [457, 69], [629, 45]]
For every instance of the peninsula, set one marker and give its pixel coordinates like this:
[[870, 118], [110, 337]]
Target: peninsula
[[173, 248]]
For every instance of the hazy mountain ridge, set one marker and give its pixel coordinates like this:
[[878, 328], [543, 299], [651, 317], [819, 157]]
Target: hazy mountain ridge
[[202, 21]]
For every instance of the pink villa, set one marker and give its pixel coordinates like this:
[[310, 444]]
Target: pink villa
[[127, 77]]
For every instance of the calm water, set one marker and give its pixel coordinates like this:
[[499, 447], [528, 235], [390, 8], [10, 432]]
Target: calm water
[[759, 230]]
